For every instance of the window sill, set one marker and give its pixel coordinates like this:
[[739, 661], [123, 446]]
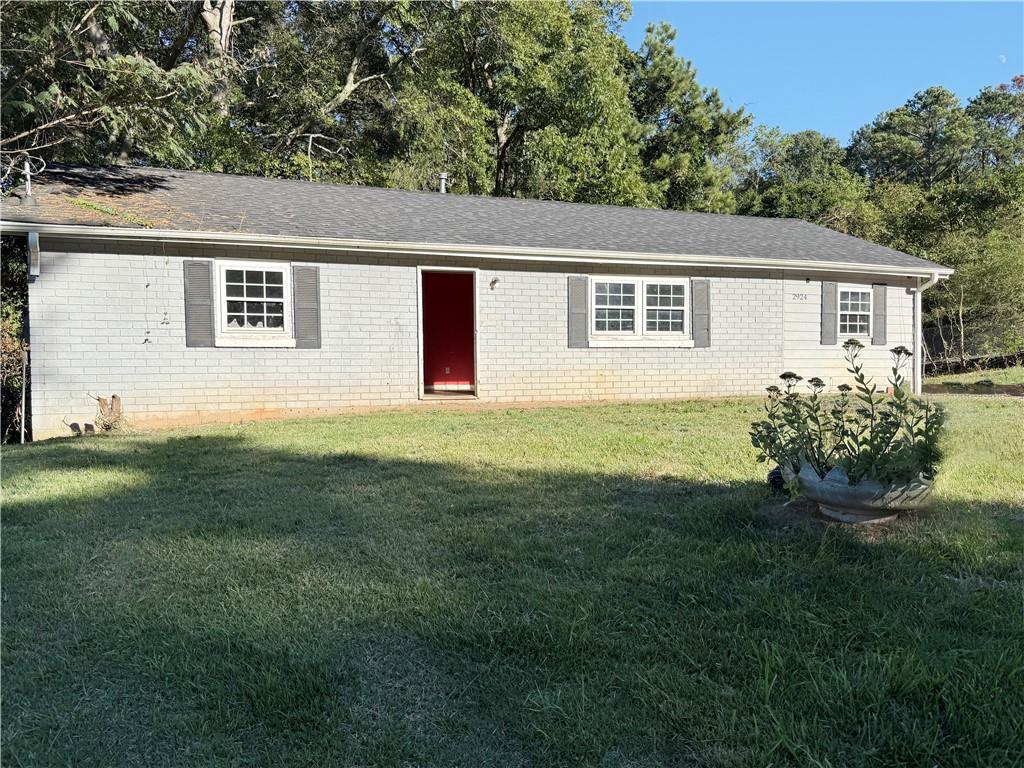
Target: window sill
[[641, 341], [254, 341]]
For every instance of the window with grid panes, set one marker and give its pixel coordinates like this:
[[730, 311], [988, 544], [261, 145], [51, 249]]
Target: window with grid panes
[[665, 307], [614, 307], [254, 299], [854, 313]]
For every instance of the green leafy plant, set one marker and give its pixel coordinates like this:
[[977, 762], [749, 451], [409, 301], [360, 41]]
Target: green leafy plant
[[869, 433], [13, 342]]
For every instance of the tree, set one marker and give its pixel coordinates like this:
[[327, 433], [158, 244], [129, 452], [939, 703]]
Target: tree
[[688, 129], [998, 117], [316, 88], [926, 141], [534, 94], [979, 312], [525, 99], [975, 227], [78, 85], [802, 176], [588, 149]]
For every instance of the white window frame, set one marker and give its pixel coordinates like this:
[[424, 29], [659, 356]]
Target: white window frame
[[848, 288], [640, 336], [253, 337]]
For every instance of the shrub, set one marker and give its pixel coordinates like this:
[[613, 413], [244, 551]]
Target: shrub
[[869, 434], [13, 300]]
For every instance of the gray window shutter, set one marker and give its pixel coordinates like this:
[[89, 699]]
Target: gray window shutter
[[702, 313], [579, 317], [198, 303], [878, 314], [306, 313], [829, 313]]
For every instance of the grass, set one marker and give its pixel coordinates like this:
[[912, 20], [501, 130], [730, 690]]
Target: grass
[[1012, 375], [606, 585]]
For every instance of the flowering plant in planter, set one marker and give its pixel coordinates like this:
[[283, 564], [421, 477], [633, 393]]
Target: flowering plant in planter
[[862, 436]]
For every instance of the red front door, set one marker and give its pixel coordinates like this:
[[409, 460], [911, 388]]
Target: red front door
[[448, 331]]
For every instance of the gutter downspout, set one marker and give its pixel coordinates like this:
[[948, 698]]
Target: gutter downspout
[[34, 270], [34, 262], [918, 332]]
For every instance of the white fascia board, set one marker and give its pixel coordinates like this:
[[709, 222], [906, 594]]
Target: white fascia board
[[86, 232]]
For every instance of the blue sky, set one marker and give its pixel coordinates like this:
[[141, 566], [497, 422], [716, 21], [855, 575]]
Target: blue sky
[[834, 66]]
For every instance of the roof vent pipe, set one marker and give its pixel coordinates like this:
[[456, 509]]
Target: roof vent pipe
[[28, 199], [443, 178]]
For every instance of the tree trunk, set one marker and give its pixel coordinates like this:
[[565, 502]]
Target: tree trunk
[[963, 335], [502, 144], [218, 16], [946, 351], [122, 143], [174, 51]]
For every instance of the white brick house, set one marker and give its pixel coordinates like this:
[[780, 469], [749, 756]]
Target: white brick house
[[199, 297]]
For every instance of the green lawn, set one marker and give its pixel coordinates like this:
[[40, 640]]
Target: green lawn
[[1012, 375], [604, 585]]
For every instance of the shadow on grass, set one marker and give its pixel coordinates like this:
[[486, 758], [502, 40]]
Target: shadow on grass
[[204, 599]]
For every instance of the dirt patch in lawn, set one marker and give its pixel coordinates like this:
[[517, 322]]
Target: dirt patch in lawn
[[957, 388]]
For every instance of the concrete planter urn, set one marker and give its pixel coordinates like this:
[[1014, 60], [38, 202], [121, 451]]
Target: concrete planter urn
[[867, 501]]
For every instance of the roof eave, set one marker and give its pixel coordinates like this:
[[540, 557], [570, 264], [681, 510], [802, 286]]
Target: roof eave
[[580, 256]]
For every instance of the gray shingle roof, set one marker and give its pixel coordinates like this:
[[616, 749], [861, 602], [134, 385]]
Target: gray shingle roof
[[209, 202]]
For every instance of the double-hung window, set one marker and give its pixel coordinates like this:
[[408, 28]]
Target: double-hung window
[[664, 307], [628, 311], [854, 312], [254, 304]]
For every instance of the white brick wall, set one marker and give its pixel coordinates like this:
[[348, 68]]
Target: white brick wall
[[524, 355], [109, 318]]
